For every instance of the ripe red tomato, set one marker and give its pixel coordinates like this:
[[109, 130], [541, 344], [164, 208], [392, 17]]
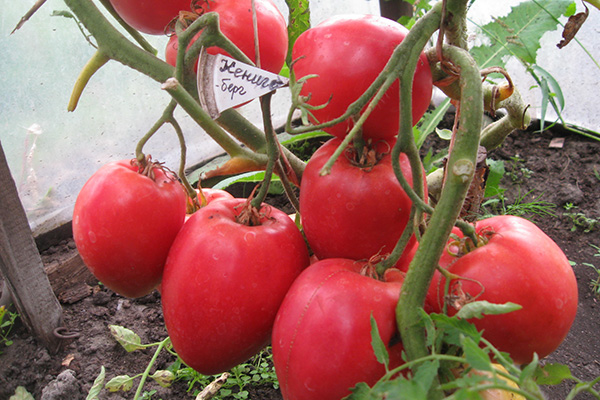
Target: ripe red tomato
[[348, 52], [353, 212], [322, 333], [520, 264], [224, 282], [150, 16], [124, 223], [235, 18]]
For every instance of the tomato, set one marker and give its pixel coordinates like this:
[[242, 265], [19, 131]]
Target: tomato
[[235, 18], [322, 333], [348, 52], [150, 16], [519, 264], [224, 282], [124, 223], [353, 212], [211, 194]]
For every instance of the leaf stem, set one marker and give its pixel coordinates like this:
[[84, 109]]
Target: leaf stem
[[159, 348]]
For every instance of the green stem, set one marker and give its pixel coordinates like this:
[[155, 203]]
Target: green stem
[[161, 345], [116, 46], [460, 167], [272, 151], [136, 35], [194, 110], [98, 60]]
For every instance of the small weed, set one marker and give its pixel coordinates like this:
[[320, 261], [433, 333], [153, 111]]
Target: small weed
[[517, 171], [595, 283], [7, 322], [579, 219], [257, 371], [498, 205]]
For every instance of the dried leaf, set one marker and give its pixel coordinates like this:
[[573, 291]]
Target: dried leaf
[[28, 15], [572, 27]]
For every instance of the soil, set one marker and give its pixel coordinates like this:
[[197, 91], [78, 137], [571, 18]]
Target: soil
[[563, 176]]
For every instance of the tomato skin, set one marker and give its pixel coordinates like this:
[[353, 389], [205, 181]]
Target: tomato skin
[[235, 19], [520, 264], [322, 334], [150, 16], [352, 212], [224, 282], [124, 224], [211, 194], [348, 52]]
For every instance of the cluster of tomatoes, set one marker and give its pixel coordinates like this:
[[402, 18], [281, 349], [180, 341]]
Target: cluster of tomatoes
[[234, 278]]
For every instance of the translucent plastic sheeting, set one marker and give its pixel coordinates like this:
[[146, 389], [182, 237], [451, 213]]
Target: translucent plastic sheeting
[[575, 67], [52, 152]]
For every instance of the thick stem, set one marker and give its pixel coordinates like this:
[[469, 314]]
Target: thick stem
[[116, 46], [461, 167]]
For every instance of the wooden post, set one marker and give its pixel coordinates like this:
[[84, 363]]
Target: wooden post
[[22, 267]]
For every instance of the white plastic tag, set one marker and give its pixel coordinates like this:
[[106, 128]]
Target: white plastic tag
[[224, 82]]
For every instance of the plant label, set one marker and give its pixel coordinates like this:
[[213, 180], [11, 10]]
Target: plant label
[[224, 82]]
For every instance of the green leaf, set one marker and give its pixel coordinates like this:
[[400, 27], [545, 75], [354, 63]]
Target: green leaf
[[378, 346], [298, 22], [552, 374], [496, 172], [428, 123], [478, 309], [21, 394], [445, 134], [121, 382], [453, 329], [475, 356], [429, 328], [518, 34], [126, 338], [551, 91], [97, 386]]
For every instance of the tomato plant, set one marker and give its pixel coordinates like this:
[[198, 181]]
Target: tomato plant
[[517, 263], [151, 16], [359, 209], [235, 21], [347, 53], [322, 333], [224, 281], [124, 223]]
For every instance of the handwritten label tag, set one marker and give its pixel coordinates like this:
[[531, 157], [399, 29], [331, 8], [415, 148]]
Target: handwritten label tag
[[224, 82]]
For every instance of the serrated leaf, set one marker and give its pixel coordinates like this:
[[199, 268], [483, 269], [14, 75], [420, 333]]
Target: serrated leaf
[[518, 34], [381, 352], [126, 338], [552, 374], [454, 329], [21, 394], [97, 386], [475, 356], [298, 22], [120, 382], [478, 309]]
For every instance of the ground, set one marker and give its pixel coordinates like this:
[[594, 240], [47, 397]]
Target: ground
[[567, 176]]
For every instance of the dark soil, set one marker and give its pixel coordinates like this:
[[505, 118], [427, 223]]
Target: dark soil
[[566, 175]]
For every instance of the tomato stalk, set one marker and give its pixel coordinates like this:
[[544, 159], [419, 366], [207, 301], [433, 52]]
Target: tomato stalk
[[136, 35], [460, 167]]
